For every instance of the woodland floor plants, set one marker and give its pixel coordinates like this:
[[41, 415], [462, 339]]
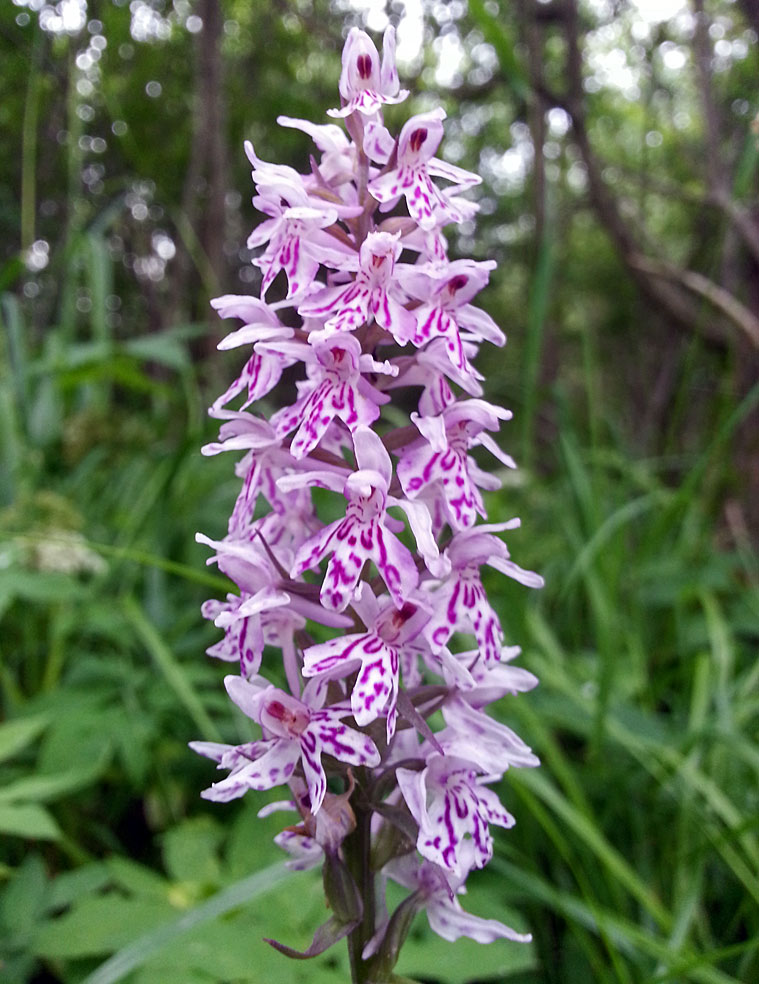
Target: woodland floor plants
[[375, 625]]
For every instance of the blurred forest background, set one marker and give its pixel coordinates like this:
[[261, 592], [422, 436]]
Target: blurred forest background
[[619, 145]]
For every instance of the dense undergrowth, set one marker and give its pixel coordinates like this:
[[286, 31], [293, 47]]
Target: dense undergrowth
[[635, 856]]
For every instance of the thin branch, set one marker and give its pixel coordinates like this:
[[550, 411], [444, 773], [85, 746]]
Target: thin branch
[[697, 283], [666, 293]]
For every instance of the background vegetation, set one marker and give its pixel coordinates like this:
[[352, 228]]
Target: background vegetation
[[618, 142]]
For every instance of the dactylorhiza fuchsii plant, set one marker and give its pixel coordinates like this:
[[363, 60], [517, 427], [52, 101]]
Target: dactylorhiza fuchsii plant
[[374, 626]]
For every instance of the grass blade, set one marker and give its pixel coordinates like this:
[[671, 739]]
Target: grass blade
[[172, 671], [137, 953]]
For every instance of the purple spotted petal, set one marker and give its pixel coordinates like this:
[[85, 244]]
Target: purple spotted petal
[[459, 811], [490, 744], [464, 606], [449, 920], [273, 763], [327, 735], [365, 85]]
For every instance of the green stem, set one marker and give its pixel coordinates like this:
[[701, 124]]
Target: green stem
[[358, 857]]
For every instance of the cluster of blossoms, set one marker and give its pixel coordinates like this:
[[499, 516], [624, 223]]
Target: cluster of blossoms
[[376, 314]]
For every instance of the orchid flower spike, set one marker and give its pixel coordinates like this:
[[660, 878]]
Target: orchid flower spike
[[359, 536]]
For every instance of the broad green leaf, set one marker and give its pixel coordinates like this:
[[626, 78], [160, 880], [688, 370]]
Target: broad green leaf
[[98, 925], [24, 898], [190, 851], [137, 879], [163, 348], [18, 734], [42, 788], [70, 886], [28, 820], [152, 942]]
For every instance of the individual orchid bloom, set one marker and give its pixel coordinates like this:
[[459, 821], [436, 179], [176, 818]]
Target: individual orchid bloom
[[263, 464], [434, 358], [242, 431], [365, 85], [262, 372], [318, 833], [437, 891], [496, 680], [373, 293], [441, 456], [252, 622], [290, 520], [294, 232], [413, 173], [445, 310], [278, 184], [363, 535], [259, 375], [296, 732], [337, 389], [431, 369], [450, 803], [482, 683], [431, 244], [490, 744], [292, 244], [461, 603], [243, 558], [253, 312], [246, 561], [304, 852], [376, 654], [243, 640]]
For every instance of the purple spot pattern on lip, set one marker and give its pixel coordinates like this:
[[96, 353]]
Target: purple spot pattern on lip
[[435, 322], [264, 764], [363, 522], [420, 467], [373, 293], [463, 605], [285, 252], [376, 686], [259, 376], [460, 809]]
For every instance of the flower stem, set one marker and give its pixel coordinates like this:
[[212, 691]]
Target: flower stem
[[358, 850]]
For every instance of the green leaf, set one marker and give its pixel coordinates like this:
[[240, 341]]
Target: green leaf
[[70, 886], [137, 879], [98, 925], [190, 851], [172, 670], [17, 735], [463, 961], [161, 348], [28, 820], [136, 953], [24, 898], [42, 788]]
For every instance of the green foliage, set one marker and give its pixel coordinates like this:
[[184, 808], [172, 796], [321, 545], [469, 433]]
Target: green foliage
[[635, 853]]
